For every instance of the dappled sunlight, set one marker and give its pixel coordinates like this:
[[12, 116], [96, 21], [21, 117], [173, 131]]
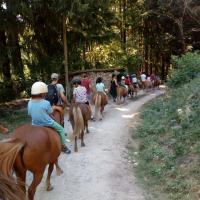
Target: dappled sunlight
[[122, 109], [131, 116]]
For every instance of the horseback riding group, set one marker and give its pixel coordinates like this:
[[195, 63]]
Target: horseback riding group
[[33, 147]]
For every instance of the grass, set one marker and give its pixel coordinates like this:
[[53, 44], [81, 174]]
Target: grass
[[169, 143]]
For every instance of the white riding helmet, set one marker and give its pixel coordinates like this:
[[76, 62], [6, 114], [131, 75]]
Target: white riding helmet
[[123, 77], [39, 88], [54, 76]]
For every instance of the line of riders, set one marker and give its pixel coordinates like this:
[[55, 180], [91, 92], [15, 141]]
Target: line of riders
[[128, 85], [43, 110], [33, 147]]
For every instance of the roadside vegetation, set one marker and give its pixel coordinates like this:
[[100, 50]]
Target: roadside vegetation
[[169, 135], [12, 119]]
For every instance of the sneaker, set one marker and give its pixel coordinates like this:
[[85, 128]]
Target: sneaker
[[66, 150], [67, 140]]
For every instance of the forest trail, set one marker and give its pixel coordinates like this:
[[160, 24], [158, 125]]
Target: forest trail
[[100, 171]]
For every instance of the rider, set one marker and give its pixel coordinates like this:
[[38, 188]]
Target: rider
[[40, 111], [62, 100], [134, 80], [80, 93], [86, 82], [100, 87]]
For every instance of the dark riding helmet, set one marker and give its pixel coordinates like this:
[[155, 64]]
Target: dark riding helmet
[[133, 75], [76, 80]]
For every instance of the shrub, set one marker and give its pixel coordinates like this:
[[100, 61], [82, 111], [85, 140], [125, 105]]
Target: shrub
[[185, 68]]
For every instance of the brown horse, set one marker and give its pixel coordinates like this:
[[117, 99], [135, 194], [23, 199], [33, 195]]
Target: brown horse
[[148, 85], [9, 189], [157, 83], [133, 89], [100, 101], [121, 92], [79, 114], [30, 148]]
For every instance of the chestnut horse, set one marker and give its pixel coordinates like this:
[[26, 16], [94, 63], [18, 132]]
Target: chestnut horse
[[100, 101], [79, 114], [30, 148], [121, 92]]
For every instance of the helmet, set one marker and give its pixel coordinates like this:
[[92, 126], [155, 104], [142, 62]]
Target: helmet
[[54, 76], [133, 75], [123, 77], [39, 88], [76, 80]]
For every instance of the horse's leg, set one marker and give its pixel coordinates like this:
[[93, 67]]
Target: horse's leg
[[48, 183], [86, 126], [20, 172], [101, 111], [82, 139], [21, 179], [59, 171], [75, 144], [37, 177]]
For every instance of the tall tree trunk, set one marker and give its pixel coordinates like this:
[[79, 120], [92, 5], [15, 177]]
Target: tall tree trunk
[[13, 42], [66, 64], [5, 58]]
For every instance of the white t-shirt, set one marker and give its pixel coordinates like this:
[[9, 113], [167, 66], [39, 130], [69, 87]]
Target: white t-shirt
[[80, 94], [143, 77], [60, 89], [134, 80]]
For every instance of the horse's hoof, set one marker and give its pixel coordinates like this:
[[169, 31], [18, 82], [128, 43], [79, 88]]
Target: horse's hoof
[[83, 145], [49, 188], [59, 172]]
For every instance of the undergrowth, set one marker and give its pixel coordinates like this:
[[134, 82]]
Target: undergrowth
[[12, 119], [169, 136]]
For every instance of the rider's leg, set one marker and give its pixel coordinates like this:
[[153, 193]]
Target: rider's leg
[[61, 132]]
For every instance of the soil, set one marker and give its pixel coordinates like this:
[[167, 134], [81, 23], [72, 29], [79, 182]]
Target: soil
[[101, 170]]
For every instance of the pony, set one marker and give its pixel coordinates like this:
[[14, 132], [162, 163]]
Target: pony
[[157, 83], [79, 114], [133, 89], [148, 85], [10, 190], [100, 101], [30, 148], [121, 92]]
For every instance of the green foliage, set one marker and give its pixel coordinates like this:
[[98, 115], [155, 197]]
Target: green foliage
[[169, 135], [186, 68]]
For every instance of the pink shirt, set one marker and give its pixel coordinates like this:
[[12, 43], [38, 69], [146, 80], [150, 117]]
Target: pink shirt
[[86, 83]]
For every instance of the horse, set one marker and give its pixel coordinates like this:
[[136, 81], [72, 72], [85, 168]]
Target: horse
[[100, 101], [121, 92], [9, 189], [148, 85], [157, 83], [133, 89], [30, 148], [79, 114]]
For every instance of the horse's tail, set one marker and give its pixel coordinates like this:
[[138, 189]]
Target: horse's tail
[[97, 105], [9, 189], [78, 121], [8, 154]]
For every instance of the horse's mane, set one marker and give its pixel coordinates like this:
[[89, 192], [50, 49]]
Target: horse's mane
[[9, 190]]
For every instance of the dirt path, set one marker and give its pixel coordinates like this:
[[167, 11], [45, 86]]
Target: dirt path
[[100, 171]]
